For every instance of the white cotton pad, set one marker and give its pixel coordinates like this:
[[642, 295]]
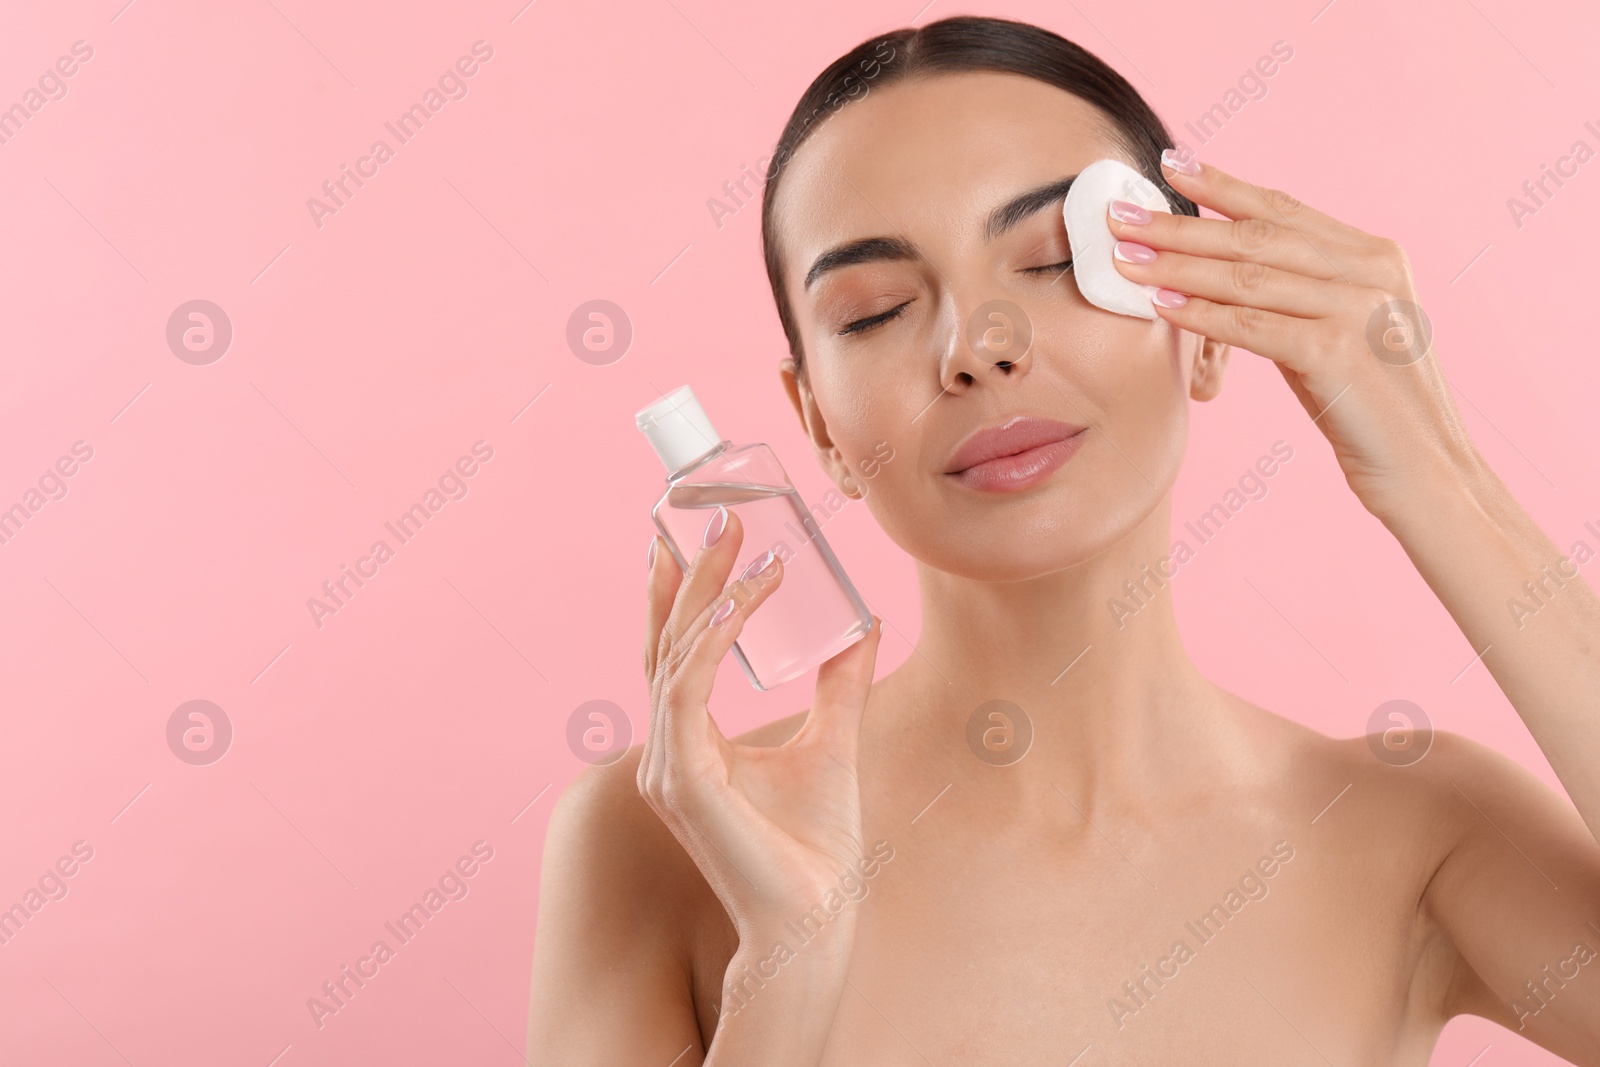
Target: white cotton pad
[[1089, 234]]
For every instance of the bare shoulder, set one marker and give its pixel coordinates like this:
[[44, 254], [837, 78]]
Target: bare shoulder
[[1416, 781], [611, 855], [1441, 784], [1415, 812], [620, 904], [1461, 857], [604, 836]]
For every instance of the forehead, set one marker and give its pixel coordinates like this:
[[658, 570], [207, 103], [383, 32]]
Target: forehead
[[937, 152]]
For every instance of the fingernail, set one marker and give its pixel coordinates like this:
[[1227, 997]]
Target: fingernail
[[1183, 165], [1133, 252], [1126, 211], [757, 566], [1170, 298], [714, 528], [720, 616], [650, 557]]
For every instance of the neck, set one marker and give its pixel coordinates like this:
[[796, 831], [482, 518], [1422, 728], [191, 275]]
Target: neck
[[1090, 653]]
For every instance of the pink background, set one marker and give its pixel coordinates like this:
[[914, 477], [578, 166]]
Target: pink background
[[368, 754]]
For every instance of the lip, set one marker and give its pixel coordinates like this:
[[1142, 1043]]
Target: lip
[[1021, 452]]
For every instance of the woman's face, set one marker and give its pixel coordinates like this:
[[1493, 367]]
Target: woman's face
[[889, 366]]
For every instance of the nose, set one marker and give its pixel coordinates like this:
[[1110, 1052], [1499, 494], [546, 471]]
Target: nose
[[995, 339]]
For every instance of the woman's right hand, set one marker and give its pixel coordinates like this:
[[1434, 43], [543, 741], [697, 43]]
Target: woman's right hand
[[771, 829]]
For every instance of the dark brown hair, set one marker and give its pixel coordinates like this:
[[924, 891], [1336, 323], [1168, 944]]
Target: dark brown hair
[[963, 43]]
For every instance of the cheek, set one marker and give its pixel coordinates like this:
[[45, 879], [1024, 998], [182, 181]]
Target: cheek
[[1140, 401], [869, 416], [1129, 377], [905, 506], [1151, 383]]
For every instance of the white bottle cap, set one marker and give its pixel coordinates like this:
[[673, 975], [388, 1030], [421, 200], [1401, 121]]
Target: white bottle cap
[[678, 428]]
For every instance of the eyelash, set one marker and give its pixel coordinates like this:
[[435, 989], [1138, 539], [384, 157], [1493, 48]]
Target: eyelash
[[861, 326]]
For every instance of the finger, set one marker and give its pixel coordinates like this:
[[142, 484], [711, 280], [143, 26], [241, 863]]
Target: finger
[[1246, 240], [691, 592], [661, 584], [1290, 341], [1234, 282], [707, 573], [754, 585], [688, 736], [843, 684], [1236, 198]]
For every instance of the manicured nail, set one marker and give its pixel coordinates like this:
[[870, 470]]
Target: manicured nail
[[650, 557], [1126, 211], [1133, 252], [757, 565], [714, 528], [1170, 298], [1183, 165], [720, 616]]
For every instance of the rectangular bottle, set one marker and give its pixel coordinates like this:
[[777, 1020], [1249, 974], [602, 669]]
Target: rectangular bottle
[[815, 613]]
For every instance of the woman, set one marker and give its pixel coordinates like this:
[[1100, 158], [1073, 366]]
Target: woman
[[1161, 871]]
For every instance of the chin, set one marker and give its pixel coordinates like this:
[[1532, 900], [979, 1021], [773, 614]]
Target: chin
[[1002, 545], [1015, 537], [1013, 566]]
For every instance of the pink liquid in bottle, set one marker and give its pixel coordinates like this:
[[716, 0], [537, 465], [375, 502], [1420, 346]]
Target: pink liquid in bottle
[[815, 613]]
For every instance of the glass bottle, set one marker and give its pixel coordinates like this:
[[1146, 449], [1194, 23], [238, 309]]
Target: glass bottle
[[815, 612]]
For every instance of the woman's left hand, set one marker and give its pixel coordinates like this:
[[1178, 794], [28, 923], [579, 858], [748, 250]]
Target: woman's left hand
[[1334, 307]]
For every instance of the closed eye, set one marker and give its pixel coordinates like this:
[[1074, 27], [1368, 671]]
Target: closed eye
[[863, 325]]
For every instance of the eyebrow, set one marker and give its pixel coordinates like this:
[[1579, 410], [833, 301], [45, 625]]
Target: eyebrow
[[897, 249]]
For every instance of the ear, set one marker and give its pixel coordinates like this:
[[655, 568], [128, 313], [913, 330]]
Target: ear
[[805, 406], [1210, 363]]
